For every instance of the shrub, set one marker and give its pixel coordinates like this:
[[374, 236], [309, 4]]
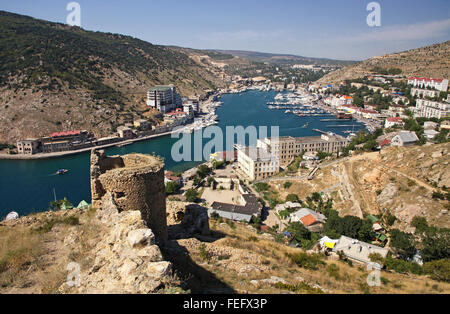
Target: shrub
[[204, 254], [287, 185], [192, 196], [333, 271], [292, 198], [438, 270], [172, 187], [304, 260], [262, 186]]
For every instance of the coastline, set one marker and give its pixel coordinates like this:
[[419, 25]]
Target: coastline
[[42, 156]]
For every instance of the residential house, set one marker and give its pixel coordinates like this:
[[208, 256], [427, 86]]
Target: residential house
[[125, 132], [357, 250], [445, 125], [312, 220], [405, 138], [29, 146], [393, 122], [252, 207]]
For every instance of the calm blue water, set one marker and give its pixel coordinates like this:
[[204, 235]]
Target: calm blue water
[[27, 186]]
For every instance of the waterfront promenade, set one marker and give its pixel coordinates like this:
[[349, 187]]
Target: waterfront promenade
[[79, 151]]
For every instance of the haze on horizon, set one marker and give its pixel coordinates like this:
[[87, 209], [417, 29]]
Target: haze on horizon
[[321, 29]]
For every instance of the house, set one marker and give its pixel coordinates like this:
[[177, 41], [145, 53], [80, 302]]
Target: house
[[142, 124], [405, 138], [245, 212], [430, 125], [430, 134], [29, 146], [125, 132], [357, 250], [393, 122], [445, 125], [310, 219], [169, 176], [286, 206]]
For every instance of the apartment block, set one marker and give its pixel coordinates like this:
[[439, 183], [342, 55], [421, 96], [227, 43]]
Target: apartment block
[[432, 109], [163, 98], [424, 82], [287, 148], [271, 154]]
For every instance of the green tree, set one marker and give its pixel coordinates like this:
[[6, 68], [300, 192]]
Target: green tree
[[403, 243], [192, 196], [292, 198], [172, 187]]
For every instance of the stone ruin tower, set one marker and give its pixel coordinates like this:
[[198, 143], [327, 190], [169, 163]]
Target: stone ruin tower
[[135, 182]]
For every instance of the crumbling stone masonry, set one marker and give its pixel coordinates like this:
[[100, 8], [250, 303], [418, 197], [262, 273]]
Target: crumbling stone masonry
[[136, 182]]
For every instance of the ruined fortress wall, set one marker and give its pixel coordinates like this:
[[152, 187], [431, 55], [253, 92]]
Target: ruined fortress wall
[[136, 182]]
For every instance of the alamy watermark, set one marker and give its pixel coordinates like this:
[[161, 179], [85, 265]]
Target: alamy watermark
[[374, 277], [374, 18], [74, 17]]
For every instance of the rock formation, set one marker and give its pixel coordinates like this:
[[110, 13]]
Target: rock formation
[[135, 182], [126, 259]]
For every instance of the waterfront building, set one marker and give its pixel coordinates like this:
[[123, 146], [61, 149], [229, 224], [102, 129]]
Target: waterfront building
[[287, 148], [125, 132], [69, 136], [29, 146], [163, 98], [271, 154], [423, 83], [142, 124], [432, 109]]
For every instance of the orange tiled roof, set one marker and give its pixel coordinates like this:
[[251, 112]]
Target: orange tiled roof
[[308, 220]]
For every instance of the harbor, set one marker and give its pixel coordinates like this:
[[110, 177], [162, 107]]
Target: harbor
[[36, 178]]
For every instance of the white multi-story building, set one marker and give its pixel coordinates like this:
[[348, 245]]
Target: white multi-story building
[[163, 98], [423, 82], [422, 93], [342, 100], [271, 154], [257, 163], [432, 109]]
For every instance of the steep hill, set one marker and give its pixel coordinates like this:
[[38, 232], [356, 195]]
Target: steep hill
[[281, 58], [56, 77], [430, 61]]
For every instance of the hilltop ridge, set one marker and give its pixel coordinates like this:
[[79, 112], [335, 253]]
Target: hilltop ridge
[[430, 61]]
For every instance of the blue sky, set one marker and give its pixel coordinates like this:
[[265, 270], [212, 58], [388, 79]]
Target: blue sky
[[315, 28]]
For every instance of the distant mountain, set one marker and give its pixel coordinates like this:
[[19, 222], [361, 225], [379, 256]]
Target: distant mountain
[[430, 61], [56, 77], [282, 58]]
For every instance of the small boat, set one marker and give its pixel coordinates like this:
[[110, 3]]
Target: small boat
[[62, 171]]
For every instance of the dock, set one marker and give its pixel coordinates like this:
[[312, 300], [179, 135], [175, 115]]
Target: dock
[[335, 120], [320, 131]]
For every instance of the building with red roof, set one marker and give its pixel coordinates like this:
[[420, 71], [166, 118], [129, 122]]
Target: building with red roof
[[423, 82]]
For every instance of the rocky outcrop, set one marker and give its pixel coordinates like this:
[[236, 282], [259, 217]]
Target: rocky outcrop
[[135, 182], [187, 220], [126, 259]]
